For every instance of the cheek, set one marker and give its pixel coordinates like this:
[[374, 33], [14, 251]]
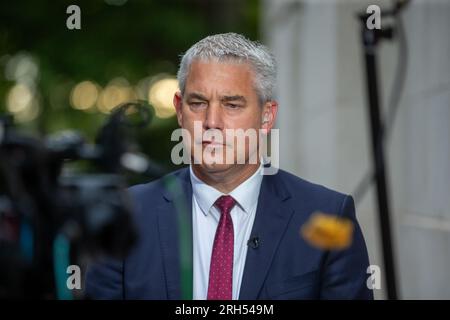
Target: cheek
[[249, 121], [253, 117], [191, 116], [187, 120]]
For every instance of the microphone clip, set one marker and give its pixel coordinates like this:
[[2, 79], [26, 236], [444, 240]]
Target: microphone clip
[[253, 242]]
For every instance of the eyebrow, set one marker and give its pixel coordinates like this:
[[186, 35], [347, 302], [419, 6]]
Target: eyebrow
[[234, 98], [196, 96]]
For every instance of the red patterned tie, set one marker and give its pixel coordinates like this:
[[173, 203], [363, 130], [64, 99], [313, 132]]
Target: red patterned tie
[[221, 270]]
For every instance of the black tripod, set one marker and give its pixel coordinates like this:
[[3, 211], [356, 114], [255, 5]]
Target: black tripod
[[370, 39]]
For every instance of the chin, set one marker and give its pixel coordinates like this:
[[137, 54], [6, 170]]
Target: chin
[[212, 168]]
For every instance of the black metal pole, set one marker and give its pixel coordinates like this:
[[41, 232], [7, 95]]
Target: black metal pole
[[370, 40]]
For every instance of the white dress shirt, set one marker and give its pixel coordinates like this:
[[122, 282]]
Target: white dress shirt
[[205, 219]]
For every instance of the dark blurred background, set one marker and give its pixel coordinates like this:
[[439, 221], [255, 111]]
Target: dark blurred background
[[53, 78]]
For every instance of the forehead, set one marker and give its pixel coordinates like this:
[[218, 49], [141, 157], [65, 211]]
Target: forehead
[[220, 76]]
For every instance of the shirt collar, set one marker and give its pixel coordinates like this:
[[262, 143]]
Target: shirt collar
[[246, 194]]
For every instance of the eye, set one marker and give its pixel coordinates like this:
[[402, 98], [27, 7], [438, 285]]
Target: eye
[[197, 104], [232, 106]]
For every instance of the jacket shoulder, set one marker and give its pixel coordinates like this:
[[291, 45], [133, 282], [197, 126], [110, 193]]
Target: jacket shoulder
[[154, 191], [304, 185], [317, 195]]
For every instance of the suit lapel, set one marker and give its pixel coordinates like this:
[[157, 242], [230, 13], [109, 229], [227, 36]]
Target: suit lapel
[[272, 216], [175, 230]]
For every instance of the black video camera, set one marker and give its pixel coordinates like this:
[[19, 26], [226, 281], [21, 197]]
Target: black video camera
[[50, 217]]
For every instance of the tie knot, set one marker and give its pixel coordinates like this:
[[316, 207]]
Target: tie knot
[[225, 203]]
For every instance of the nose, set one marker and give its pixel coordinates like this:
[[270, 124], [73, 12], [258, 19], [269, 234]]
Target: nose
[[213, 118]]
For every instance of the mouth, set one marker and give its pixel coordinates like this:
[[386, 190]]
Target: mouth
[[213, 144]]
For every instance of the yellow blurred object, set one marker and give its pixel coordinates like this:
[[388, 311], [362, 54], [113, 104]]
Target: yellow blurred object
[[328, 232]]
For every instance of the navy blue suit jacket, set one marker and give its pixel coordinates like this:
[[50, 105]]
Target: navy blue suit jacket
[[283, 266]]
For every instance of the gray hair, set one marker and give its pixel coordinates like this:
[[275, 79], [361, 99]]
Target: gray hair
[[234, 47]]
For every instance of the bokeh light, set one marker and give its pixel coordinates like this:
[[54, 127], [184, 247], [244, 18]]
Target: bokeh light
[[160, 96], [116, 92], [23, 68], [22, 103], [84, 95]]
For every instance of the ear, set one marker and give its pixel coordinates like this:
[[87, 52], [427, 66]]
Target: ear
[[178, 102], [269, 115]]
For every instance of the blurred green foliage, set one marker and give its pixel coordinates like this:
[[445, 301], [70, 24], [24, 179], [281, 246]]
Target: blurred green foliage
[[138, 39]]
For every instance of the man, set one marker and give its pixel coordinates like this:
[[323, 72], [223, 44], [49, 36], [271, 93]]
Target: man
[[242, 227]]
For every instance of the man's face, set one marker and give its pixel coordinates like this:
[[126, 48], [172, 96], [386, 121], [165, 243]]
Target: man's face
[[221, 95]]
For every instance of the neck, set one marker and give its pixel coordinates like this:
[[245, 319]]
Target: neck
[[228, 179]]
